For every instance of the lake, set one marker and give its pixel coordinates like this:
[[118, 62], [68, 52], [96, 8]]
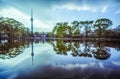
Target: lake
[[59, 59]]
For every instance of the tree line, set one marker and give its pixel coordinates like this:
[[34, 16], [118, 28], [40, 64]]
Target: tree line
[[10, 28], [98, 29]]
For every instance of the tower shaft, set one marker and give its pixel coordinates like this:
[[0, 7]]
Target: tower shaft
[[31, 21]]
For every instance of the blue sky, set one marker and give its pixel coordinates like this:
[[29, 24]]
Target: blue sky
[[48, 12]]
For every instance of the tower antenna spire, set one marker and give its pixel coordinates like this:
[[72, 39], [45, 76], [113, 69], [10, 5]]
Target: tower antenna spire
[[31, 21]]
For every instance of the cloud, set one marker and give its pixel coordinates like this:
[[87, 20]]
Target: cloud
[[116, 63], [85, 7], [70, 66], [16, 14], [13, 76], [77, 65], [42, 26], [117, 12], [104, 9], [101, 64], [72, 7]]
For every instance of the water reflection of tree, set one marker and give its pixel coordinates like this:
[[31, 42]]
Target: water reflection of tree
[[86, 52], [101, 52], [61, 47], [85, 49], [74, 48], [114, 44], [12, 48]]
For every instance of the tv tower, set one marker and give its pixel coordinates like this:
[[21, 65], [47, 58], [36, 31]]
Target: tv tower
[[32, 46], [31, 21]]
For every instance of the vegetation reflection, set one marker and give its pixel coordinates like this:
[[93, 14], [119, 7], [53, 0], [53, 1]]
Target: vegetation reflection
[[10, 49], [101, 51], [96, 50]]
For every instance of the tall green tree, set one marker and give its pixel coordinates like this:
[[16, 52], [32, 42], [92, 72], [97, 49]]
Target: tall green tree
[[11, 27], [101, 25], [61, 29], [87, 25], [75, 28]]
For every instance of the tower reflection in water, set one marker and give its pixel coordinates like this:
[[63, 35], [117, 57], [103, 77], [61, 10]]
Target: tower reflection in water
[[32, 51], [43, 40]]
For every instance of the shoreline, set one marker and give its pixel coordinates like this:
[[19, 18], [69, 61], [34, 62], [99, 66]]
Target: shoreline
[[72, 39]]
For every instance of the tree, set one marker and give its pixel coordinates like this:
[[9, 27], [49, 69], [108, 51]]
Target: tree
[[37, 34], [61, 29], [102, 24], [11, 27], [116, 32], [75, 28], [87, 25]]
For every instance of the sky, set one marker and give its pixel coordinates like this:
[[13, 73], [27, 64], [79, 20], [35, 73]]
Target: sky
[[47, 13]]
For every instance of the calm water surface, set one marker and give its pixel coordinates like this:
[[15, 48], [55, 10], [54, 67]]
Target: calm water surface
[[59, 60]]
